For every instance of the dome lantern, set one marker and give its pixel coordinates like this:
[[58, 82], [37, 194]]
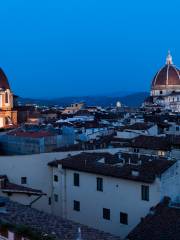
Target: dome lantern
[[169, 59]]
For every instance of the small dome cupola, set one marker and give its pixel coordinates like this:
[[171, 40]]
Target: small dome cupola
[[169, 59]]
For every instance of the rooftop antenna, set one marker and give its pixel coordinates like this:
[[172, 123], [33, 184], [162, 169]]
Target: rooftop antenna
[[79, 234], [169, 59]]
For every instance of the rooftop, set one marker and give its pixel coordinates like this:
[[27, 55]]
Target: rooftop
[[30, 134], [49, 224], [115, 166], [8, 187], [4, 84], [151, 142], [162, 223], [137, 126]]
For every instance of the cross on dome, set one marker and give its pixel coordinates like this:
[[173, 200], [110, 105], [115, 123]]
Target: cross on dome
[[169, 59]]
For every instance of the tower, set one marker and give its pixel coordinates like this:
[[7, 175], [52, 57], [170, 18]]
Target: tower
[[8, 117]]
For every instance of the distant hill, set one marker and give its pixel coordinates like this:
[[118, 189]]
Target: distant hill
[[131, 100], [135, 99]]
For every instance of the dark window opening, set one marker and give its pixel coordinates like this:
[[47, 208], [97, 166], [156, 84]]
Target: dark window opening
[[99, 184], [76, 205], [123, 218], [145, 193], [23, 180], [76, 179], [136, 150], [106, 213], [55, 178], [55, 197], [6, 98]]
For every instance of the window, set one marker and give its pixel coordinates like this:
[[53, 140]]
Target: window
[[161, 92], [136, 150], [106, 213], [99, 182], [55, 197], [49, 201], [161, 153], [7, 120], [55, 178], [23, 180], [123, 218], [76, 205], [145, 193], [6, 97], [177, 128], [76, 179]]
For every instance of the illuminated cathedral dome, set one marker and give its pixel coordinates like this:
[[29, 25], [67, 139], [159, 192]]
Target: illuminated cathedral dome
[[165, 89], [167, 77], [4, 84]]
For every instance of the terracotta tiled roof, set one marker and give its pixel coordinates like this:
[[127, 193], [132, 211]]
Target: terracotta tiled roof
[[54, 226], [151, 142], [110, 165], [8, 187], [162, 224], [38, 134], [15, 188], [168, 75], [137, 126]]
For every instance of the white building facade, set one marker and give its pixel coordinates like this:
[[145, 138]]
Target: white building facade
[[117, 206]]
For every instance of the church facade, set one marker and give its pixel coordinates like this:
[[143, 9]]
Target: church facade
[[165, 88], [8, 116]]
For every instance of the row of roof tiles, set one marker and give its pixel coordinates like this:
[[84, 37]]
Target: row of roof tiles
[[112, 165]]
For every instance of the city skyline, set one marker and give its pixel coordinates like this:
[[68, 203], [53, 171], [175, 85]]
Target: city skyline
[[85, 48]]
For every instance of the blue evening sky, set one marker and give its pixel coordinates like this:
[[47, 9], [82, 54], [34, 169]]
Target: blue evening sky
[[53, 48]]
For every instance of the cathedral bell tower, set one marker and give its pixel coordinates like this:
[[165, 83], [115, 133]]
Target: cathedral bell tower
[[8, 117]]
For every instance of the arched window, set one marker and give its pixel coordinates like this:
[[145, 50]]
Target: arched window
[[6, 121], [6, 97]]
